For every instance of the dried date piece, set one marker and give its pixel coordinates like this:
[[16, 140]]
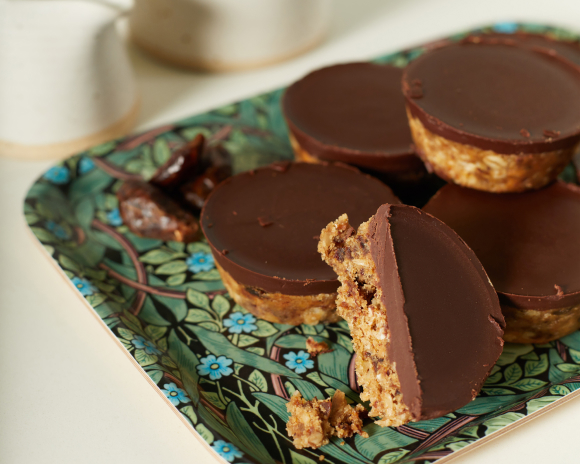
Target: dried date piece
[[196, 192], [183, 165], [216, 156], [150, 213]]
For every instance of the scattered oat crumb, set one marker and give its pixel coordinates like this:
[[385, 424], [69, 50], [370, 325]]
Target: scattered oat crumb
[[321, 457], [313, 422], [315, 348], [342, 443]]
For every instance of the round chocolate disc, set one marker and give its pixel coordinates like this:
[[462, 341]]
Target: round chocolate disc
[[353, 113], [527, 242], [263, 225], [496, 96]]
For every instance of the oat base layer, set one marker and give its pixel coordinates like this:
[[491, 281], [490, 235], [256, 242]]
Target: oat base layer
[[313, 422], [539, 326], [281, 308], [359, 303], [487, 170], [300, 154]]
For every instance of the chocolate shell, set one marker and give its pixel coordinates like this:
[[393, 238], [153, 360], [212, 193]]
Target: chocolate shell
[[263, 225], [527, 242], [352, 113], [565, 48], [444, 317], [496, 96]]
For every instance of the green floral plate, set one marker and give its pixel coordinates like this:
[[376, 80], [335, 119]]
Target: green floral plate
[[228, 374]]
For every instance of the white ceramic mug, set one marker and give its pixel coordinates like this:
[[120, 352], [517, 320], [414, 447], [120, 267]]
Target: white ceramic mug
[[223, 35], [66, 82]]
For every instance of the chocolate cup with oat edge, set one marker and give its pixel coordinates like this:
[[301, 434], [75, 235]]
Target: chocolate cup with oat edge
[[494, 116], [528, 244], [425, 320], [355, 113], [263, 228]]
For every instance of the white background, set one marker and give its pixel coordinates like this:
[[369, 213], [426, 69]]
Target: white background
[[67, 392]]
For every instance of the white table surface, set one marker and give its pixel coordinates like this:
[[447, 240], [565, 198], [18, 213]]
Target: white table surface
[[67, 392]]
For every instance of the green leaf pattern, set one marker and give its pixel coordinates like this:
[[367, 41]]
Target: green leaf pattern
[[172, 317]]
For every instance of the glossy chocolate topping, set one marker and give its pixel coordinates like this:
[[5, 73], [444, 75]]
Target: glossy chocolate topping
[[565, 48], [444, 317], [263, 225], [528, 242], [353, 113], [496, 96]]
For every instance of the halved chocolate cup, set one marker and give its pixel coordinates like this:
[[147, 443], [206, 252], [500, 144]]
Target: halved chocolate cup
[[425, 320]]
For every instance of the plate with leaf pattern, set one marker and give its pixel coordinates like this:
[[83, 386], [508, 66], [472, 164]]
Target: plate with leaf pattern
[[227, 374]]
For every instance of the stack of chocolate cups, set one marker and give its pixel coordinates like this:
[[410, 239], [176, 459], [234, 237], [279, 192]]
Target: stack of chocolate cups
[[494, 115], [498, 118]]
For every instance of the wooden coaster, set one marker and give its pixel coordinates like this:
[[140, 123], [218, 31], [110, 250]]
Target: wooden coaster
[[70, 147], [222, 66]]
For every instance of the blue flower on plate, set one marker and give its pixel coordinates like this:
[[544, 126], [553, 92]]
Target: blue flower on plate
[[226, 450], [239, 322], [505, 28], [174, 394], [200, 261], [57, 175], [84, 286], [143, 344], [114, 217], [58, 230], [86, 165], [216, 368], [299, 362]]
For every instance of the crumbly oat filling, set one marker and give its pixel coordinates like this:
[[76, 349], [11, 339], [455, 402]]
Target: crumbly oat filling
[[313, 422], [539, 326], [359, 303], [308, 424], [315, 348], [300, 153], [280, 308], [344, 419], [473, 167]]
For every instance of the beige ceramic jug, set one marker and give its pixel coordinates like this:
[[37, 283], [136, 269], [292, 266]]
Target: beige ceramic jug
[[224, 35]]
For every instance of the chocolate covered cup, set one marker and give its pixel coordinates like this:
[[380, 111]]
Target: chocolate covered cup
[[528, 244], [492, 115], [425, 321], [263, 228], [353, 113]]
